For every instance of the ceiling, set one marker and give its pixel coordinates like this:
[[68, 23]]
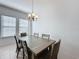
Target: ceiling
[[23, 5], [26, 5]]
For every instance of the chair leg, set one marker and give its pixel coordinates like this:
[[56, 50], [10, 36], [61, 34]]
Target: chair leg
[[17, 53], [16, 50], [23, 54]]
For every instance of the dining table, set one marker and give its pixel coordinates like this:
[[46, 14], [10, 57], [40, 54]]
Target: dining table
[[37, 44]]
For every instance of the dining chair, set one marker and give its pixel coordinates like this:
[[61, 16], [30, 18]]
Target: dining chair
[[55, 50], [18, 45], [46, 36], [25, 50], [54, 53], [23, 34], [36, 34]]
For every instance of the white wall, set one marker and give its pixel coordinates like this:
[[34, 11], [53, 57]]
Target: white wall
[[60, 18], [5, 10]]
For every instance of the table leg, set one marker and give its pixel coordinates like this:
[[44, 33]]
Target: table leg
[[34, 56], [50, 51]]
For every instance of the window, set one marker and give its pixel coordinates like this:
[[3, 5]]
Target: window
[[8, 26], [23, 26]]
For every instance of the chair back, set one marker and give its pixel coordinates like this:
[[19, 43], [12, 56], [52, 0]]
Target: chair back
[[36, 34], [56, 50], [46, 36], [16, 41], [23, 34]]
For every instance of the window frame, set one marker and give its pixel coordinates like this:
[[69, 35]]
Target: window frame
[[17, 25], [6, 26]]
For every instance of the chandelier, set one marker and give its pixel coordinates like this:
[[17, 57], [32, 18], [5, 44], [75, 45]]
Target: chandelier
[[32, 15]]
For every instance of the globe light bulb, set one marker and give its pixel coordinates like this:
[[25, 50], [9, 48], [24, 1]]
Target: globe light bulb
[[33, 14], [29, 15]]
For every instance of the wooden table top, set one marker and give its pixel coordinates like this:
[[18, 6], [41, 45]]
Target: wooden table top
[[37, 44]]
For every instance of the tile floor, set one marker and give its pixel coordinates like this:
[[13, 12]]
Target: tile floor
[[8, 52]]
